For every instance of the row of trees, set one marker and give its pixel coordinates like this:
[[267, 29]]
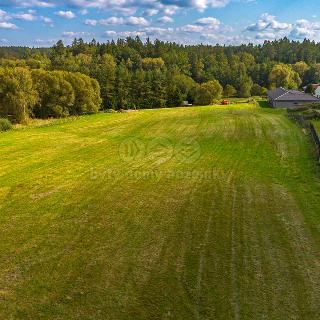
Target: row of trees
[[280, 51], [132, 73], [41, 93]]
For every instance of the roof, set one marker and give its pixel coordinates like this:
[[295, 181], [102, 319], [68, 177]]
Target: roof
[[274, 94], [281, 94]]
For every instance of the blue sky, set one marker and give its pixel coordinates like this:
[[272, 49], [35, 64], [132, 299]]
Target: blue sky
[[43, 22]]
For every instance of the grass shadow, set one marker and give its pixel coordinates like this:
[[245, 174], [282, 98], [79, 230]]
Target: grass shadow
[[263, 104]]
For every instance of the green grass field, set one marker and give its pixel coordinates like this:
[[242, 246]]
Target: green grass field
[[189, 213], [317, 125]]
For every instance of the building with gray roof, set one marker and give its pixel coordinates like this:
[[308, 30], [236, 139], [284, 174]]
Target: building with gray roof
[[282, 98]]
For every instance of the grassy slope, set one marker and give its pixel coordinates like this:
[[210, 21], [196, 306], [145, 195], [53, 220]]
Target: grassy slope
[[317, 125], [232, 235]]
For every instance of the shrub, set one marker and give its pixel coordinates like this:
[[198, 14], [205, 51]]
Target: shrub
[[5, 125], [208, 92]]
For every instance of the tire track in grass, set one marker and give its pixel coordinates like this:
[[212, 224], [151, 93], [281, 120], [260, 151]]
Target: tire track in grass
[[201, 265], [235, 170], [235, 289], [303, 250], [206, 297], [244, 128], [170, 265], [271, 273], [253, 270]]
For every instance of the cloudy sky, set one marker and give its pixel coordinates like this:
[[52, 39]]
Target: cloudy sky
[[43, 22]]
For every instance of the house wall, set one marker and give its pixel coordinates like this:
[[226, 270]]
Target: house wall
[[271, 102], [289, 104]]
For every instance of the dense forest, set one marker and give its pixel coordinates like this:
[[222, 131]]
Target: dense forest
[[86, 77]]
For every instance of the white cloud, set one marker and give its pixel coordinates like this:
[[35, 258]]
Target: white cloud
[[153, 31], [91, 22], [8, 25], [84, 12], [151, 12], [267, 28], [201, 5], [45, 42], [46, 20], [170, 10], [209, 22], [269, 23], [124, 34], [24, 16], [266, 36], [143, 33], [65, 14], [304, 29], [112, 20], [137, 21], [191, 28], [4, 16], [75, 34], [28, 3], [169, 7], [165, 19], [28, 16], [206, 26], [110, 33], [130, 21], [218, 3]]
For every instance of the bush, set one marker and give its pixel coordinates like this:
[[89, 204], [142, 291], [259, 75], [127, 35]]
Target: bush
[[208, 92], [5, 125]]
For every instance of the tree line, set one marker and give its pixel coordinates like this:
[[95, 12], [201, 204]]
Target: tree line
[[130, 73], [41, 93]]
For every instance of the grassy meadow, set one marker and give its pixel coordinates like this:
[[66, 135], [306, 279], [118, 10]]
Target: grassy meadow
[[187, 213]]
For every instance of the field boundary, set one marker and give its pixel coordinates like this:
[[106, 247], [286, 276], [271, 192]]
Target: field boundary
[[307, 125]]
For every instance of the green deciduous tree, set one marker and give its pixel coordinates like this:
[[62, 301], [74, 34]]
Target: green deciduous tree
[[313, 74], [17, 93], [301, 68], [152, 63], [174, 96], [86, 93], [229, 91], [283, 76], [257, 90], [56, 95], [208, 92], [184, 83]]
